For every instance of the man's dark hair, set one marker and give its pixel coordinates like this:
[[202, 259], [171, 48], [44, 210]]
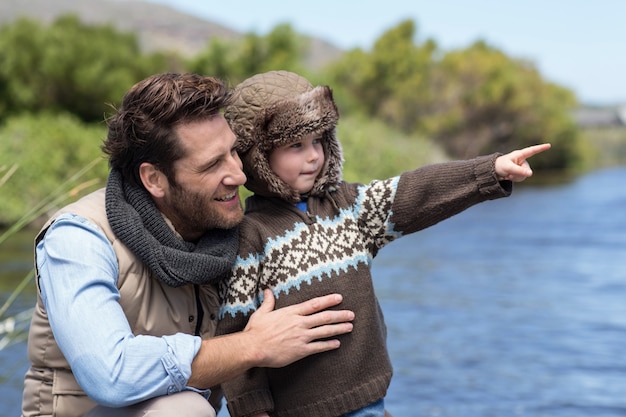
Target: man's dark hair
[[143, 129]]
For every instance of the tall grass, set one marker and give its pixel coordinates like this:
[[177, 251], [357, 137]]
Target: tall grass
[[14, 328]]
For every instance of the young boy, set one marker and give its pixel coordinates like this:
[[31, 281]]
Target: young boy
[[308, 233]]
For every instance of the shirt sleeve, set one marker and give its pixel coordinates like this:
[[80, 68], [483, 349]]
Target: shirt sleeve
[[78, 283]]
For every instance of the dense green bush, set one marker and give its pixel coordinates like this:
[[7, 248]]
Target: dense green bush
[[372, 150], [44, 151], [69, 66]]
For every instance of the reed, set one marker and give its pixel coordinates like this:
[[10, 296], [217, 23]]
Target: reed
[[14, 328]]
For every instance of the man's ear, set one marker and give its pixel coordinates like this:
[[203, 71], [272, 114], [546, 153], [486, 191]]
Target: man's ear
[[153, 179]]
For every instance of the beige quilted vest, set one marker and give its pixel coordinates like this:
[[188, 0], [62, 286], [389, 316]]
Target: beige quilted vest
[[152, 308]]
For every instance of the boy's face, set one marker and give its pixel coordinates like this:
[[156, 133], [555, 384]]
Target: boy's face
[[299, 163]]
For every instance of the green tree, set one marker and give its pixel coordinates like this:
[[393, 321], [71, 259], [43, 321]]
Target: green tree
[[69, 66], [484, 100], [469, 101], [21, 81], [217, 59], [281, 48], [285, 49], [392, 81]]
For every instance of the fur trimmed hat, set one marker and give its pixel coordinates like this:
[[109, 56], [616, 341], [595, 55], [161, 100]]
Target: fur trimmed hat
[[276, 108]]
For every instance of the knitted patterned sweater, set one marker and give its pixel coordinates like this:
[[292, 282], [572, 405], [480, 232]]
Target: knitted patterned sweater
[[329, 249]]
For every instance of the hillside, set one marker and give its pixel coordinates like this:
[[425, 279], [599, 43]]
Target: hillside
[[159, 27]]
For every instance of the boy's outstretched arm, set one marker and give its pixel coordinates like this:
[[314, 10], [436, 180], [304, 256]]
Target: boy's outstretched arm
[[514, 165]]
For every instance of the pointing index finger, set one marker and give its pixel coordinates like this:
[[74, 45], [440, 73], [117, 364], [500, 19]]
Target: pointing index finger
[[534, 150]]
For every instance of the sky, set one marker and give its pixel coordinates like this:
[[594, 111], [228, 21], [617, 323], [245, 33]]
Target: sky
[[578, 44]]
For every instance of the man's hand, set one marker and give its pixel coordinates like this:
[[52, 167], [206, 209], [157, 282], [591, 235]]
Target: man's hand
[[514, 166], [272, 338], [291, 333]]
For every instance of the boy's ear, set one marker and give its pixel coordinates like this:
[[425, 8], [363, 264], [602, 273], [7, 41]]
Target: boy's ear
[[153, 180]]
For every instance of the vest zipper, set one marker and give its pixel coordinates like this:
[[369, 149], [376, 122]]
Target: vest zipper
[[200, 317]]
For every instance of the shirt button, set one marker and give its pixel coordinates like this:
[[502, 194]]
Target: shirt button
[[191, 318], [212, 316]]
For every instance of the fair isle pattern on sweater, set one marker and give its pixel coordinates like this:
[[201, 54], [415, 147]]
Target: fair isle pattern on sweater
[[306, 253], [327, 250]]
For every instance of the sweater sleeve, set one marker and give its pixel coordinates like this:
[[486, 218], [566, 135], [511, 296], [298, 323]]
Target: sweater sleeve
[[433, 193], [415, 200]]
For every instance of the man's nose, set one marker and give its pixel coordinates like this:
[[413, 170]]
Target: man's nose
[[235, 175]]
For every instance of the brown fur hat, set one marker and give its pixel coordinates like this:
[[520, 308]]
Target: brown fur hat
[[276, 108]]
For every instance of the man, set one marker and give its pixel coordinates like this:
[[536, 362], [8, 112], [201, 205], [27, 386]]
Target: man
[[126, 276]]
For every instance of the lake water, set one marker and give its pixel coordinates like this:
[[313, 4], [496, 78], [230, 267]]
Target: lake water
[[515, 307]]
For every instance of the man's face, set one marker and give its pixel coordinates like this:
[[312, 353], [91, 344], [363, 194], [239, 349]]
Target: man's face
[[205, 195]]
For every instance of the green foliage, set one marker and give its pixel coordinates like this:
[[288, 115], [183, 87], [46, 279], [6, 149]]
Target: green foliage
[[14, 328], [609, 146], [69, 66], [470, 102], [372, 150], [19, 78], [43, 151], [390, 82], [486, 101], [282, 48]]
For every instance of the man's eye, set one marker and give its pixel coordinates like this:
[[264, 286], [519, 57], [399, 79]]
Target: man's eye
[[209, 167]]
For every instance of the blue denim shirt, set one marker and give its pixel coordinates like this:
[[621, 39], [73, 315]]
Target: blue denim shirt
[[78, 283]]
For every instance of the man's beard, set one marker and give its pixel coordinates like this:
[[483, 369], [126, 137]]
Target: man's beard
[[196, 213]]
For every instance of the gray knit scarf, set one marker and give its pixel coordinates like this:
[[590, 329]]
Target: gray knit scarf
[[138, 223]]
